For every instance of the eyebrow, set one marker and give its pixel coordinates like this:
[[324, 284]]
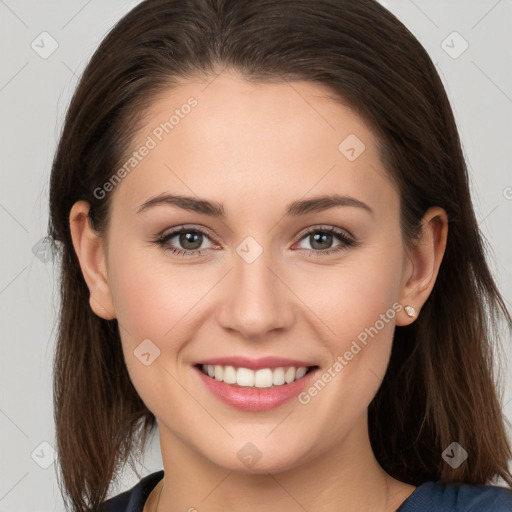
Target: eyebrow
[[215, 209]]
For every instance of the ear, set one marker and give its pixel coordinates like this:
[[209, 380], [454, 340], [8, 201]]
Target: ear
[[91, 254], [422, 263]]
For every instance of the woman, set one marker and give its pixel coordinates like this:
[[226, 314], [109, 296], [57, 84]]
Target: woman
[[269, 249]]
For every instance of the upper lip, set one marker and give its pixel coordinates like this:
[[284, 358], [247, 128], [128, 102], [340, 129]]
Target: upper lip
[[256, 364]]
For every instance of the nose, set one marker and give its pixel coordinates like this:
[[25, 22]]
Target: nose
[[256, 300]]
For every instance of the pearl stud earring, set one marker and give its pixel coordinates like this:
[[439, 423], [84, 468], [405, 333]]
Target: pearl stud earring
[[410, 311]]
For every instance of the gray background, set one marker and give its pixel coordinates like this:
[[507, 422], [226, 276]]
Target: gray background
[[35, 89]]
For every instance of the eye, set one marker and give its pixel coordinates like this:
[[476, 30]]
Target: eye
[[321, 238], [189, 238]]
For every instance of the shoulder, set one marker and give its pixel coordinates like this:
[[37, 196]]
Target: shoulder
[[133, 499], [457, 497], [484, 497]]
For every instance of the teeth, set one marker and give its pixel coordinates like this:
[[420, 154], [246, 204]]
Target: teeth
[[289, 375], [219, 373], [301, 372], [263, 378], [244, 377], [278, 377], [229, 375]]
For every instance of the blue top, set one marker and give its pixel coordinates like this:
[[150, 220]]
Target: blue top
[[428, 497]]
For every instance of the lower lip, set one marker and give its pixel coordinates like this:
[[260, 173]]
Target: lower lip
[[255, 399]]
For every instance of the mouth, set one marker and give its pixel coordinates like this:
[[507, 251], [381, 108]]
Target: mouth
[[263, 378], [255, 390]]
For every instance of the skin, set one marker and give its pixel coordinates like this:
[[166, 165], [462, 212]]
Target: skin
[[255, 148]]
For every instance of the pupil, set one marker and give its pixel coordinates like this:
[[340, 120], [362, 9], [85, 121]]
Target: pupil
[[318, 238], [188, 237]]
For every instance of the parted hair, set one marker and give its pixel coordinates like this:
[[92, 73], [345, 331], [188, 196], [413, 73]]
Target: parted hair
[[442, 383]]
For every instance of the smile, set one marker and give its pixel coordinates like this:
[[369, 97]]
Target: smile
[[262, 378], [255, 390]]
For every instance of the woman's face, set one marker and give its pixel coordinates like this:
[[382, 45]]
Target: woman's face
[[261, 286]]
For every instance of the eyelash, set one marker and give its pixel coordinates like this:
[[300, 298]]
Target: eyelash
[[162, 241]]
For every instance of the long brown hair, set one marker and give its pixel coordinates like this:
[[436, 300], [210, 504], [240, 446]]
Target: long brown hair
[[441, 384]]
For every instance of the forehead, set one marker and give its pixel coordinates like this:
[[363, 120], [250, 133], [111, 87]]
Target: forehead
[[240, 141]]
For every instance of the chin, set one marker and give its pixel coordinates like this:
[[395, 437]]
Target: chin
[[258, 457]]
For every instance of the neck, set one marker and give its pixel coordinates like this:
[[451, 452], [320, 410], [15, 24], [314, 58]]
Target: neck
[[348, 475]]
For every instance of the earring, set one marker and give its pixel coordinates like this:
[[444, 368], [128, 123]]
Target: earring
[[410, 311]]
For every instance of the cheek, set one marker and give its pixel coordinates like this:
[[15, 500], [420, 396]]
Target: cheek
[[351, 296], [357, 305], [151, 295], [156, 298], [153, 301]]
